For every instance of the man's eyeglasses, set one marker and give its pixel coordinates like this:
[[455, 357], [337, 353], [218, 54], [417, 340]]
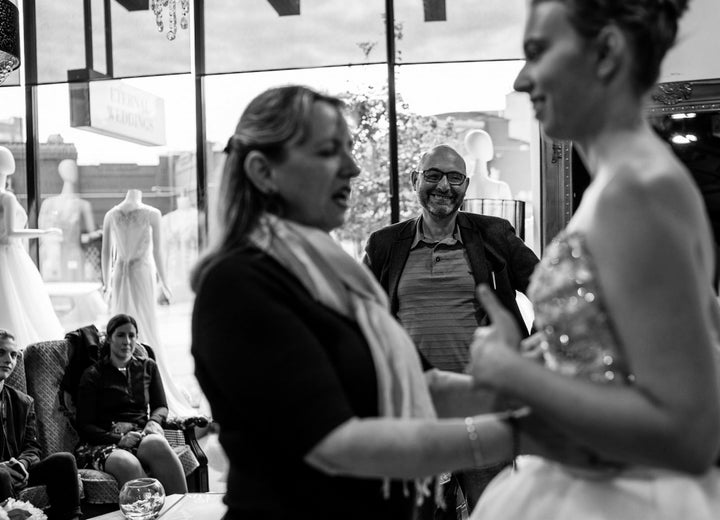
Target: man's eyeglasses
[[434, 176]]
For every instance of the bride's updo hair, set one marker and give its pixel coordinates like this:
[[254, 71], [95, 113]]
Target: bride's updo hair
[[650, 24]]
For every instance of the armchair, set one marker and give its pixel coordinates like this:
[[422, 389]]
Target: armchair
[[44, 366], [510, 209], [36, 495]]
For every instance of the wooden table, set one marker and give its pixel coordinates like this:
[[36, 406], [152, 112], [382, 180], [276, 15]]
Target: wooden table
[[191, 506]]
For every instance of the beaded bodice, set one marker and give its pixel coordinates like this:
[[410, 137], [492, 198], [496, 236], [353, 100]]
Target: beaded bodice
[[575, 332]]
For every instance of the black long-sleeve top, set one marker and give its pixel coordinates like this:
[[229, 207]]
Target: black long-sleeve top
[[281, 371], [107, 395]]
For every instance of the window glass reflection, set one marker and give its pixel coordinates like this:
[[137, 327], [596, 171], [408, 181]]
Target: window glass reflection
[[364, 91], [458, 30], [12, 136], [258, 36], [126, 138], [137, 47]]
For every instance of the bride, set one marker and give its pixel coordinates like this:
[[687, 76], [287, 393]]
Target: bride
[[25, 308], [624, 302]]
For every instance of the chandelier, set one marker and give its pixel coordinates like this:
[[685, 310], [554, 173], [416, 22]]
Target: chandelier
[[9, 39], [158, 9]]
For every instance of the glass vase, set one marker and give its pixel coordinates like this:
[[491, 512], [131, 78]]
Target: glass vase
[[142, 499]]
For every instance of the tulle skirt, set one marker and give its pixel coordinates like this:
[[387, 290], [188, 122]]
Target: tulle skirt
[[543, 490], [25, 307]]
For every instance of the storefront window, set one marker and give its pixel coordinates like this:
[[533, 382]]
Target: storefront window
[[454, 67], [135, 46], [458, 30], [256, 35], [100, 144], [12, 137], [364, 91]]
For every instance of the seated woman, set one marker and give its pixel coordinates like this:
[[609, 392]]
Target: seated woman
[[120, 408]]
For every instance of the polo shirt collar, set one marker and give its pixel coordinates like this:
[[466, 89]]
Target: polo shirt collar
[[420, 235]]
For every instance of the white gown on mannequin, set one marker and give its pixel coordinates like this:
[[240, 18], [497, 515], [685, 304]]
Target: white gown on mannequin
[[25, 307], [132, 289]]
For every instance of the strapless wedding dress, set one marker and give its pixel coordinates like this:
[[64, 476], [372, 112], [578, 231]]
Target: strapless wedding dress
[[578, 340], [25, 307]]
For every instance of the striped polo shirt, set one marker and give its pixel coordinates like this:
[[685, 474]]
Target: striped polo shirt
[[436, 296]]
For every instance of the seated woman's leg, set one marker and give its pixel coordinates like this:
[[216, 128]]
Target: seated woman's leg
[[156, 454], [124, 466]]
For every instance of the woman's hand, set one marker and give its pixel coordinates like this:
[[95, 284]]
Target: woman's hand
[[495, 346], [153, 427], [130, 439]]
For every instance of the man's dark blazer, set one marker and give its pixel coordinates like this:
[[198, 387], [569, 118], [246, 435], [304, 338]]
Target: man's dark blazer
[[19, 427], [492, 247]]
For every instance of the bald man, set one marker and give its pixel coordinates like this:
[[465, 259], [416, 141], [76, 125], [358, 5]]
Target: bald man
[[430, 266]]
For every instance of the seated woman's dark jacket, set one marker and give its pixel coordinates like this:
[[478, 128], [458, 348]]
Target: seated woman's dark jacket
[[281, 371], [106, 395]]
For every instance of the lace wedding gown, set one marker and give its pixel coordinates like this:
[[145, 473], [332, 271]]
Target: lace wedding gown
[[132, 289], [25, 307], [579, 341]]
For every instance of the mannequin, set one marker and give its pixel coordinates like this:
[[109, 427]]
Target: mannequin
[[25, 307], [62, 259], [131, 263], [179, 229], [479, 146]]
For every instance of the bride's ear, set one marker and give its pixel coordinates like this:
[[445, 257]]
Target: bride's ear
[[259, 171]]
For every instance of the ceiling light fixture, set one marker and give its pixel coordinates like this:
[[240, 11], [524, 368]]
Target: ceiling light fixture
[[9, 38], [160, 6]]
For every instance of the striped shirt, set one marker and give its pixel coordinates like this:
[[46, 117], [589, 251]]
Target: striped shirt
[[437, 304]]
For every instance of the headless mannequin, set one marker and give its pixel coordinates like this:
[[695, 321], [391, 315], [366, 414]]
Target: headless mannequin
[[64, 259], [132, 201], [7, 199], [479, 145]]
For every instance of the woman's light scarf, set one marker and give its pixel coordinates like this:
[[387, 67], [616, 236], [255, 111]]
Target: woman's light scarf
[[341, 283]]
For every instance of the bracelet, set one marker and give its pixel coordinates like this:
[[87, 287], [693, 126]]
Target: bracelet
[[474, 439]]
